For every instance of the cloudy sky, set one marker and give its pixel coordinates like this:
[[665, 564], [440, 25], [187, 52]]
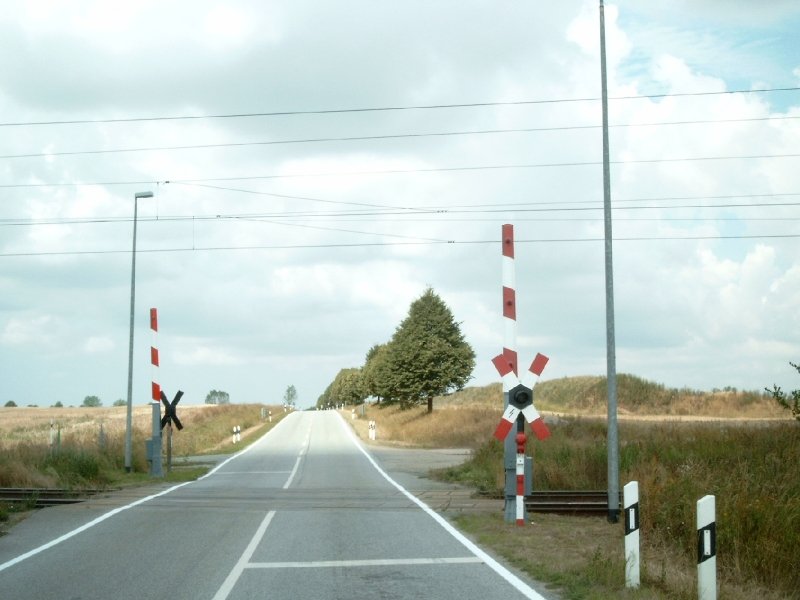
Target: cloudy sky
[[316, 165]]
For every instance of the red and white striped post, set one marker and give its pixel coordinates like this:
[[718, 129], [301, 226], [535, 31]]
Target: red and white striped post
[[509, 302], [155, 386], [517, 395], [155, 464]]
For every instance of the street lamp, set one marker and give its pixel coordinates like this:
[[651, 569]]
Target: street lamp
[[129, 415]]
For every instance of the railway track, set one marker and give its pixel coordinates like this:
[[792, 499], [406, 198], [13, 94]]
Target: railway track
[[568, 501], [41, 497], [574, 502], [551, 501]]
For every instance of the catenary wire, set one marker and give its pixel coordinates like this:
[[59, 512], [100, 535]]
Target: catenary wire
[[382, 137], [407, 243], [395, 108], [400, 171]]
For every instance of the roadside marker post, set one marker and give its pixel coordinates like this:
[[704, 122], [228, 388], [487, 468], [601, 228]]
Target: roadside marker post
[[517, 394], [632, 557], [373, 430], [237, 433], [706, 548]]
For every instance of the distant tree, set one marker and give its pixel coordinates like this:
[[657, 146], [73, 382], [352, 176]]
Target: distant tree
[[325, 398], [791, 402], [290, 397], [92, 402], [347, 387], [375, 373], [119, 402], [10, 404], [428, 355], [58, 404], [218, 397]]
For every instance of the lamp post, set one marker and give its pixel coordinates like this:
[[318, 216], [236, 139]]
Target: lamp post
[[129, 415]]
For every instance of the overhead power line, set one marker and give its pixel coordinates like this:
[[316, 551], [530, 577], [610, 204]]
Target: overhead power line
[[404, 243], [399, 171], [388, 108], [393, 213], [367, 138]]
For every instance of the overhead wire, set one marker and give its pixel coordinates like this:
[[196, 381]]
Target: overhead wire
[[418, 170], [397, 136], [394, 108], [404, 243]]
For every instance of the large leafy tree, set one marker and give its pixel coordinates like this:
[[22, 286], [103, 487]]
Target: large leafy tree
[[376, 375], [428, 355], [346, 388]]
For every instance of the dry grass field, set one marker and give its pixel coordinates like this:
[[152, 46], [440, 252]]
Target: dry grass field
[[84, 447]]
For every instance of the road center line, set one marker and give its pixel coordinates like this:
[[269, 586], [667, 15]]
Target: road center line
[[515, 581], [384, 562], [300, 456], [253, 473], [244, 560]]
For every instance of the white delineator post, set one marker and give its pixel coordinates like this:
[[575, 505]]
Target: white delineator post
[[632, 557], [155, 386], [706, 548]]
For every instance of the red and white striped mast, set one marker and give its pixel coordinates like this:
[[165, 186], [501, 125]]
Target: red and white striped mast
[[518, 395], [155, 386], [509, 302]]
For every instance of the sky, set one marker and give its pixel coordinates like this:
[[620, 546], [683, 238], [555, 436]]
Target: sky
[[315, 166]]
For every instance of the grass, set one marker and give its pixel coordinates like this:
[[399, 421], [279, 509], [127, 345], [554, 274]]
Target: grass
[[83, 457], [750, 466], [635, 397]]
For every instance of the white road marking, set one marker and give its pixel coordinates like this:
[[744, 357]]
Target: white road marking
[[254, 473], [381, 562], [244, 560], [300, 456], [236, 572], [515, 581], [111, 513]]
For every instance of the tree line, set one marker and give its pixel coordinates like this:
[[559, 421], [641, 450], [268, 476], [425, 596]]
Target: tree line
[[426, 357]]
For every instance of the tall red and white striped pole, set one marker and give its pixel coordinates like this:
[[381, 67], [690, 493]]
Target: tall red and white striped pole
[[155, 464], [517, 395], [155, 386], [509, 303], [510, 355]]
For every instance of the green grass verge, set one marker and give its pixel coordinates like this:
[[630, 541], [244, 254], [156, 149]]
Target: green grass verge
[[752, 471]]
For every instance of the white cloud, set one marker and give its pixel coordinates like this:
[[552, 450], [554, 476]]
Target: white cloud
[[29, 330], [98, 345], [253, 321]]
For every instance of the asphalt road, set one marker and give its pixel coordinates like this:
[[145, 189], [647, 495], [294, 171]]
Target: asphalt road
[[305, 512]]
